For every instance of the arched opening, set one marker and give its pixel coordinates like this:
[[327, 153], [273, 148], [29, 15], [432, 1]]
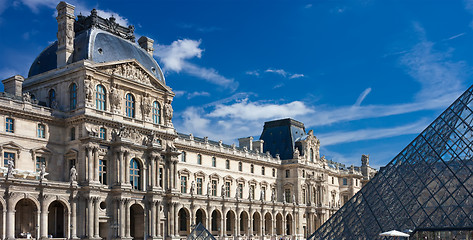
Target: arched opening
[[183, 222], [57, 217], [51, 97], [289, 224], [72, 96], [100, 98], [216, 219], [268, 220], [279, 224], [130, 106], [137, 222], [25, 219], [256, 224], [230, 223], [200, 217], [243, 223]]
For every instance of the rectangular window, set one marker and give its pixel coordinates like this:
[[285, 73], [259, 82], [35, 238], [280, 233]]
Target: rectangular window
[[183, 184], [9, 125], [40, 161], [240, 166], [356, 182], [72, 162], [199, 159], [199, 186], [41, 131], [214, 187], [214, 162], [240, 191], [262, 171], [333, 180], [8, 156], [103, 171], [183, 156], [252, 168], [345, 199], [103, 133], [288, 173], [274, 172], [160, 177], [303, 196], [345, 181], [73, 134], [227, 189], [287, 195]]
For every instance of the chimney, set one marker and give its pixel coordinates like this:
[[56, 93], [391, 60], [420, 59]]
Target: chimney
[[13, 85], [65, 33], [147, 44], [258, 146], [246, 142]]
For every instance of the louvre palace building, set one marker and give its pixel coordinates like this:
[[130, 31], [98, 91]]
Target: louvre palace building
[[90, 151]]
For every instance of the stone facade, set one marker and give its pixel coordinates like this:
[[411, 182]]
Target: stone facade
[[89, 151]]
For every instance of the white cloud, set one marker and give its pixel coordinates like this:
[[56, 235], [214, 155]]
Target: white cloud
[[308, 6], [334, 138], [254, 73], [34, 5], [277, 71], [432, 69], [362, 97], [197, 94], [296, 75], [179, 93], [254, 111], [7, 72], [175, 58], [119, 19]]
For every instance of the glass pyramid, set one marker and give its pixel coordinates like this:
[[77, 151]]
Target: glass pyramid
[[426, 187], [200, 233]]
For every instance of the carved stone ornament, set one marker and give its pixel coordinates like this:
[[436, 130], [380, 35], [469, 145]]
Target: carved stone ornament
[[128, 70], [115, 97], [146, 105], [60, 34], [168, 112], [27, 97], [88, 88]]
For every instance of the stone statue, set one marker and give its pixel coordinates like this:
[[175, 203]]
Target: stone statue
[[261, 195], [294, 198], [88, 89], [26, 97], [115, 97], [192, 187], [237, 194], [273, 195], [11, 165], [208, 189], [145, 105], [224, 191], [73, 174], [42, 172], [168, 112]]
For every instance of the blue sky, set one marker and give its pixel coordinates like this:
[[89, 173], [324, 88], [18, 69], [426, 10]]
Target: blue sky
[[367, 76]]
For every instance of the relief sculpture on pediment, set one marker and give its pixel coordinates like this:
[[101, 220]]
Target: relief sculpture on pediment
[[128, 70]]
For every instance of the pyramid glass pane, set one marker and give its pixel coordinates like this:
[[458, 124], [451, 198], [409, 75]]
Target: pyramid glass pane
[[427, 189]]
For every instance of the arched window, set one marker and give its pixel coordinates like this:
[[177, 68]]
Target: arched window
[[135, 177], [214, 162], [183, 156], [156, 113], [252, 168], [103, 133], [51, 97], [100, 98], [130, 105], [311, 155], [199, 159], [73, 96], [227, 164]]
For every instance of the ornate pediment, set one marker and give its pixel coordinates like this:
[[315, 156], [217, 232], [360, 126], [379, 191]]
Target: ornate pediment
[[131, 69]]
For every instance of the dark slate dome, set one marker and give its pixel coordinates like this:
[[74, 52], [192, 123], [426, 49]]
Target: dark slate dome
[[97, 45]]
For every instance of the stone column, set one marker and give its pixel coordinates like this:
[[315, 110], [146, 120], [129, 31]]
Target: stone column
[[152, 172], [209, 219], [152, 219], [10, 219], [237, 223], [126, 163], [222, 224], [96, 163], [158, 221], [174, 175], [273, 224], [90, 164], [73, 222], [250, 223], [4, 221], [90, 217], [127, 219], [171, 221], [176, 219], [96, 217], [44, 218], [121, 203]]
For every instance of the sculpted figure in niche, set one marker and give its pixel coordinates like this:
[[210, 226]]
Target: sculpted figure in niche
[[208, 189], [115, 97], [145, 105], [168, 112], [88, 88], [73, 174], [11, 165], [224, 191], [192, 187]]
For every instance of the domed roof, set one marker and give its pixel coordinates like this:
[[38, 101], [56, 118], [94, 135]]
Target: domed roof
[[97, 45]]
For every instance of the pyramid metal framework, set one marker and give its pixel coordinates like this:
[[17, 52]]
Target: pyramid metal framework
[[200, 233], [428, 186]]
